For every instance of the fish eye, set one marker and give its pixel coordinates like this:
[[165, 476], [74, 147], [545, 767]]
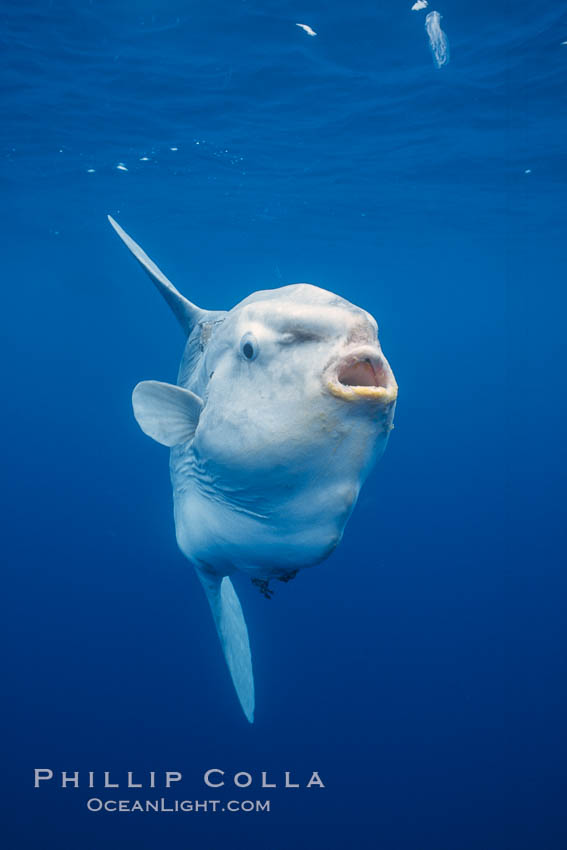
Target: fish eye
[[249, 346]]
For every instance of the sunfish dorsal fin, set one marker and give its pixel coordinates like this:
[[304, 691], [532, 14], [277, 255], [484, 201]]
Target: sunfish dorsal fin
[[186, 313], [167, 413], [233, 634]]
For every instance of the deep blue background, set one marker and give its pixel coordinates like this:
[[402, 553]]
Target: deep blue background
[[421, 669]]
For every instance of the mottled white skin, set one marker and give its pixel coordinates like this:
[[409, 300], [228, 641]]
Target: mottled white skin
[[268, 454], [277, 461]]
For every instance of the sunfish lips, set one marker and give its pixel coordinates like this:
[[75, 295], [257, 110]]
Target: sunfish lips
[[362, 375]]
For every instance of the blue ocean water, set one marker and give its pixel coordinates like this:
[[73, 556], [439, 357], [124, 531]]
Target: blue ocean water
[[421, 669]]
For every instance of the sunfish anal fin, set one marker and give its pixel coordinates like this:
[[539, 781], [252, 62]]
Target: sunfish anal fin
[[233, 634]]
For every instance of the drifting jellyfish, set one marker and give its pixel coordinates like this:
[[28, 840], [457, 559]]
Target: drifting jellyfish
[[437, 39], [306, 28]]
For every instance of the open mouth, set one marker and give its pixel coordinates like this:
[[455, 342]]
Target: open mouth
[[362, 374]]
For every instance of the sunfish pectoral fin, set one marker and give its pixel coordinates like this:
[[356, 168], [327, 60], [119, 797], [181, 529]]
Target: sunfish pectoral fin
[[233, 634], [165, 412]]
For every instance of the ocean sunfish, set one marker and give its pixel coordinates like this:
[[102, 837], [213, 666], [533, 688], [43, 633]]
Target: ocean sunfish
[[282, 406]]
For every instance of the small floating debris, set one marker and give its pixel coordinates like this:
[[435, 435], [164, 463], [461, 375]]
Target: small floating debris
[[437, 39], [306, 28], [90, 170], [174, 149], [528, 171], [144, 159], [121, 167], [420, 4]]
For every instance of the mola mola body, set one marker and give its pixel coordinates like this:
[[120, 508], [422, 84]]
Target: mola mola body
[[281, 408]]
